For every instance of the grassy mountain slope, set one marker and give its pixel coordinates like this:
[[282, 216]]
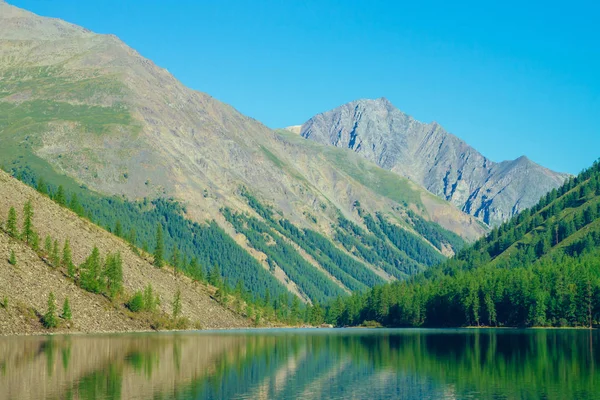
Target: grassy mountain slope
[[28, 283], [541, 268], [85, 111]]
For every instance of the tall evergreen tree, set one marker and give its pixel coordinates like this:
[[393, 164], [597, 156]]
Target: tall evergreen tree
[[49, 319], [28, 221], [90, 273], [35, 241], [177, 304], [295, 310], [60, 197], [41, 186], [118, 229], [159, 247], [48, 245], [150, 302], [66, 311], [113, 274], [67, 259], [196, 270], [75, 205], [214, 276]]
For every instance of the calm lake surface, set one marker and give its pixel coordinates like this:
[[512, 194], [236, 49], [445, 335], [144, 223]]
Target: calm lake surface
[[306, 364]]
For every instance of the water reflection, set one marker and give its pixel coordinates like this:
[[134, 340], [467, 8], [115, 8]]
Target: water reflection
[[337, 364]]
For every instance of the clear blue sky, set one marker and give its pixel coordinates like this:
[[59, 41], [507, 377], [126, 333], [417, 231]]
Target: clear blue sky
[[512, 78]]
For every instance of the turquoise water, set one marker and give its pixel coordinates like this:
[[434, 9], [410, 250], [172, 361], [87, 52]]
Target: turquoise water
[[306, 364]]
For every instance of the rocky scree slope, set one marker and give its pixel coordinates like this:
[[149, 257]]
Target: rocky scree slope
[[27, 285]]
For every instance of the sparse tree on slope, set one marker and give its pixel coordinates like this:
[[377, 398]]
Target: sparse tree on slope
[[67, 259], [159, 247], [12, 260], [28, 221], [49, 320], [90, 273], [60, 196], [66, 312], [177, 304], [113, 273]]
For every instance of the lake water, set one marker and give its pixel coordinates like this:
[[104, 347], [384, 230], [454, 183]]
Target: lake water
[[305, 364]]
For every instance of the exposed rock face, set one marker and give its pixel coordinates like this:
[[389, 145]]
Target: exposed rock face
[[441, 162]]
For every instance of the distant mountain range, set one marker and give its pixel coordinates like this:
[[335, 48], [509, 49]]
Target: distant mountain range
[[439, 161], [87, 112]]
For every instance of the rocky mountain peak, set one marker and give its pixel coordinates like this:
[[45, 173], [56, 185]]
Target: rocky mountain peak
[[441, 162]]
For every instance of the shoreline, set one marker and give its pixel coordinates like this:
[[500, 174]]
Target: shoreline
[[290, 328]]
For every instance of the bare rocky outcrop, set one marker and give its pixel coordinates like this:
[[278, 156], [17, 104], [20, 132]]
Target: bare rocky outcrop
[[441, 162]]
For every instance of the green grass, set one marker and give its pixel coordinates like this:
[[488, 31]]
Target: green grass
[[28, 116], [22, 126], [53, 82], [382, 182], [272, 157]]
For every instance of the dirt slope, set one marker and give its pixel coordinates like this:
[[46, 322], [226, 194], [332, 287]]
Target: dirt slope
[[28, 284]]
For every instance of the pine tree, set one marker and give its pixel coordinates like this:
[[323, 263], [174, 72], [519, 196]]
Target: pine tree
[[214, 276], [12, 260], [113, 274], [177, 304], [66, 311], [316, 314], [75, 205], [48, 245], [49, 319], [220, 296], [159, 247], [195, 270], [295, 312], [257, 318], [41, 186], [11, 224], [132, 237], [118, 229], [149, 299], [27, 221], [60, 196], [35, 241], [90, 273], [67, 260]]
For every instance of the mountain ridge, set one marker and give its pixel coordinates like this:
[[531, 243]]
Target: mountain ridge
[[440, 161]]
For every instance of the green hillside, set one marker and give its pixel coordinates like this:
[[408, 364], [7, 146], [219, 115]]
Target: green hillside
[[541, 268]]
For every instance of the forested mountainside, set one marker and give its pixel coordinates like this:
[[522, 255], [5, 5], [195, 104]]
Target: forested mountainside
[[439, 161], [541, 268], [136, 148], [61, 273], [314, 267]]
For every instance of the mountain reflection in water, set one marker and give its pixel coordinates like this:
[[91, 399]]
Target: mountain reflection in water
[[308, 364]]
